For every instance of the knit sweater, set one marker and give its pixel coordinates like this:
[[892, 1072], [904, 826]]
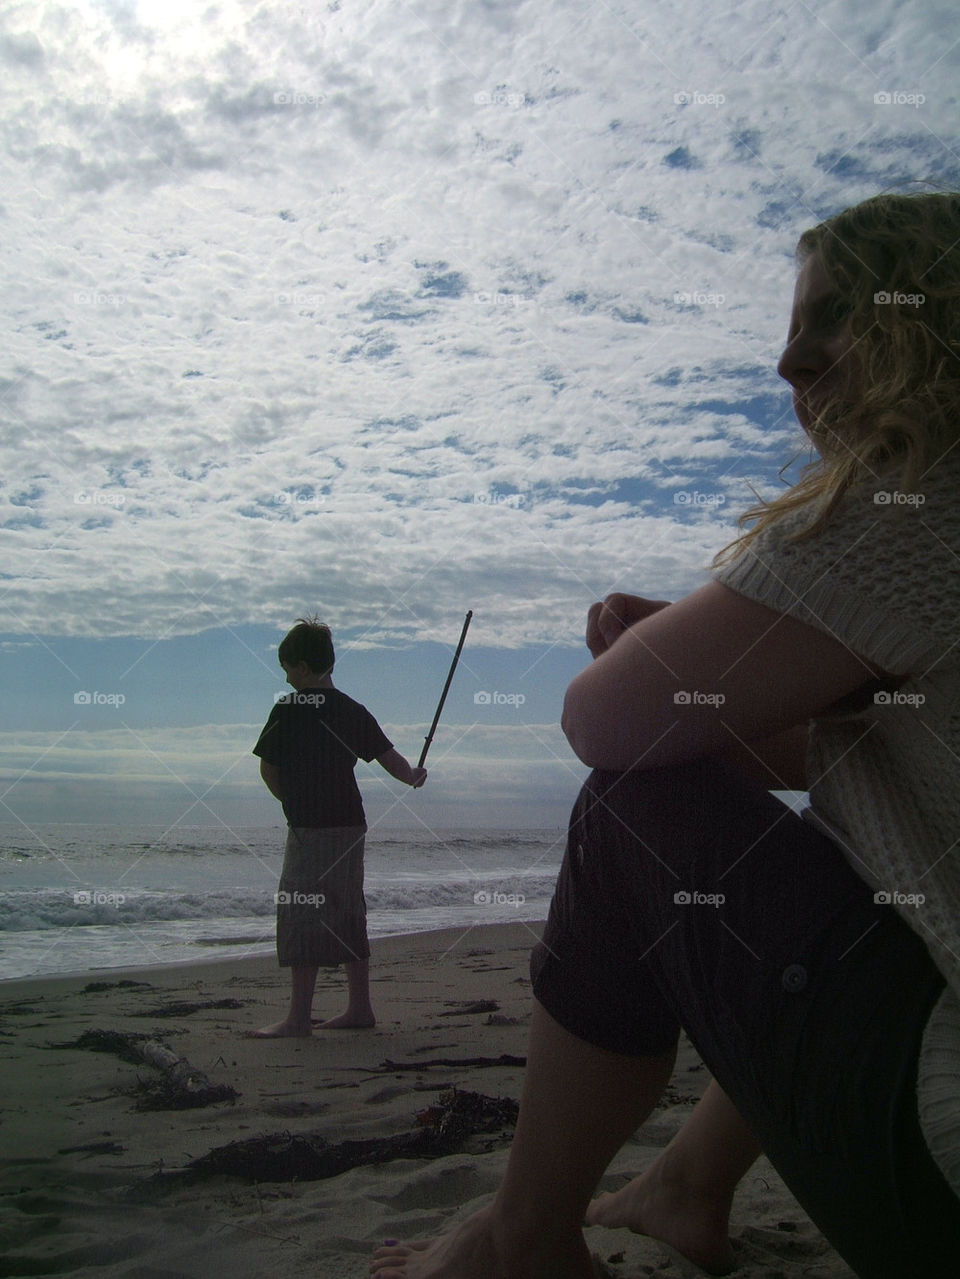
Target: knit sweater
[[883, 577]]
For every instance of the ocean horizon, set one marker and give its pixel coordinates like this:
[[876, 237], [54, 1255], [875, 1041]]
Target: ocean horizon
[[86, 898]]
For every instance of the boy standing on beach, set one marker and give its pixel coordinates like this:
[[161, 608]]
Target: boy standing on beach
[[308, 750]]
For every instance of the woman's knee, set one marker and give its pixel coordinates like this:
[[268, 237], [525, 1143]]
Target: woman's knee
[[666, 807]]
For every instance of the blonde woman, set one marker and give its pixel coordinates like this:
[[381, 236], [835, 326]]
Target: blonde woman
[[814, 961]]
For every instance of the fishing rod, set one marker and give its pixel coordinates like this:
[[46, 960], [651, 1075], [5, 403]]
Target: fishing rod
[[443, 695]]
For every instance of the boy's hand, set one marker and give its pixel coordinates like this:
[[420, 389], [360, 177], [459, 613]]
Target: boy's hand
[[606, 622], [399, 766]]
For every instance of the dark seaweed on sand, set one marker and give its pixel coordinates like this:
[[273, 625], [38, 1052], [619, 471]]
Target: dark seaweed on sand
[[442, 1129]]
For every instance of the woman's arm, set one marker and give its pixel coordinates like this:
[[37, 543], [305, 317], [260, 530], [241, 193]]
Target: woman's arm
[[777, 763], [703, 677]]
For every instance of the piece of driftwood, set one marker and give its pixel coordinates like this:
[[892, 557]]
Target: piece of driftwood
[[94, 1148], [97, 987], [185, 1009], [477, 1006], [22, 1008], [182, 1086], [504, 1059], [442, 1129]]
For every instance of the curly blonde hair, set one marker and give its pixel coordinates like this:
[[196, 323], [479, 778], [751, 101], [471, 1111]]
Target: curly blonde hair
[[895, 261]]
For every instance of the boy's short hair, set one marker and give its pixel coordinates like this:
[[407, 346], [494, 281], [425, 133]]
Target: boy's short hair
[[309, 641]]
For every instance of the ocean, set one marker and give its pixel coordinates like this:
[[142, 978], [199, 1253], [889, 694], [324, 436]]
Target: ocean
[[83, 898]]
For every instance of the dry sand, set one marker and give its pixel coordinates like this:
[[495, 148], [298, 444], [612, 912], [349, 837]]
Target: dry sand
[[79, 1191]]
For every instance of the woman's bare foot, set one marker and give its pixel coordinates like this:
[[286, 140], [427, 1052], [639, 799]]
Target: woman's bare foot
[[286, 1029], [348, 1021], [693, 1220], [479, 1249]]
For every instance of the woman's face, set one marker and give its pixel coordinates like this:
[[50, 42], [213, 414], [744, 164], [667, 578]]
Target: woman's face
[[816, 360]]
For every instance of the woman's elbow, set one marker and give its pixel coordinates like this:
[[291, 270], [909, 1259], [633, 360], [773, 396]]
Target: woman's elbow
[[581, 734], [607, 736], [568, 727]]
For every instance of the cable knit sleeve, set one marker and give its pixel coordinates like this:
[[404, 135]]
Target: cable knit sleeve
[[883, 577]]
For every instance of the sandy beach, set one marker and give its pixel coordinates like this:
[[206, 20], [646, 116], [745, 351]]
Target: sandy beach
[[94, 1183]]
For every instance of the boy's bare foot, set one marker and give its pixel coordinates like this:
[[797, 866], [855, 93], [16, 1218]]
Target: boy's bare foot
[[692, 1221], [281, 1030], [348, 1021], [478, 1249]]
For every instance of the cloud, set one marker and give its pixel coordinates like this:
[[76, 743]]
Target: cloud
[[387, 300], [522, 774], [21, 48]]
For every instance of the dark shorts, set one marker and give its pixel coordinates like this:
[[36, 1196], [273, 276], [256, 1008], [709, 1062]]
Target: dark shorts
[[690, 897], [321, 911]]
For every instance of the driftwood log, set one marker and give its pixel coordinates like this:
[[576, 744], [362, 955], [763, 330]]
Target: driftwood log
[[477, 1006], [181, 1087], [505, 1059]]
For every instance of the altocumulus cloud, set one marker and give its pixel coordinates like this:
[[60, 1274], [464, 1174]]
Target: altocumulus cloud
[[383, 294]]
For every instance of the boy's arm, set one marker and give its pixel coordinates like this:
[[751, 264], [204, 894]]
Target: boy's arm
[[271, 776], [400, 768]]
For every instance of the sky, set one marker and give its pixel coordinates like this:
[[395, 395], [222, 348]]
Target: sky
[[386, 311]]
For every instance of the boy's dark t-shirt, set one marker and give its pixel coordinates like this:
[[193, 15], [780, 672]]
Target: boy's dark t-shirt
[[315, 738]]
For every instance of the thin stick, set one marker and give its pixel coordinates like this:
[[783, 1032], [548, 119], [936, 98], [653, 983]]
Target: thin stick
[[443, 695]]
